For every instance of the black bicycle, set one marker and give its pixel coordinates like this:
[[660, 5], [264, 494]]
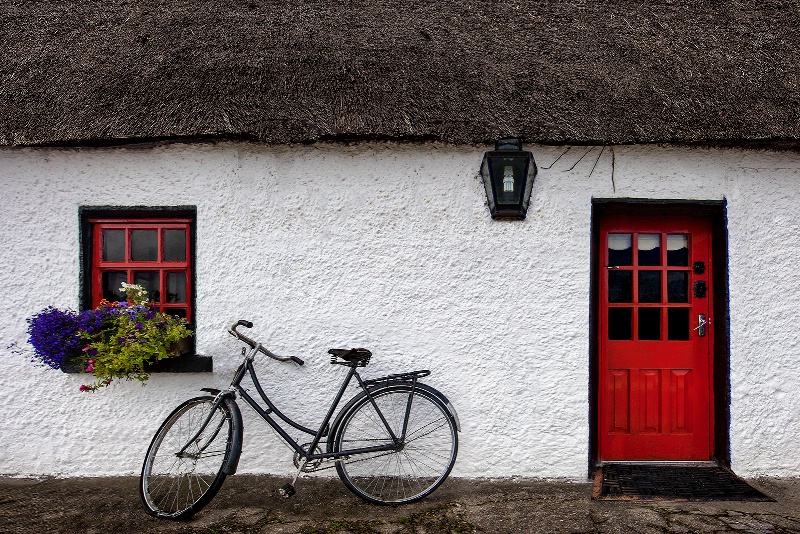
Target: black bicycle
[[394, 442]]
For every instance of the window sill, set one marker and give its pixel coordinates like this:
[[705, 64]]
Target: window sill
[[186, 363]]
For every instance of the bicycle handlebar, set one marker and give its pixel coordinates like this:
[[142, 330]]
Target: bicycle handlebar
[[253, 344]]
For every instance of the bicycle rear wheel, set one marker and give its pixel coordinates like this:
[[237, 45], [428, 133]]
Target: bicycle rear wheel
[[177, 485], [422, 462]]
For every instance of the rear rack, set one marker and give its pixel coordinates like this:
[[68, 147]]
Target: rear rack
[[401, 377]]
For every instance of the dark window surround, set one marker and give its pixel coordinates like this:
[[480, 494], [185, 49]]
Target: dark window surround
[[716, 212], [187, 363]]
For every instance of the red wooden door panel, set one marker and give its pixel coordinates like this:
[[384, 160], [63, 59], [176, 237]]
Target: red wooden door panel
[[655, 391]]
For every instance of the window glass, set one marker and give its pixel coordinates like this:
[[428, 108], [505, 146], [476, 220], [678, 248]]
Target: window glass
[[144, 245], [620, 286], [174, 245], [176, 287], [151, 281], [678, 324], [649, 246], [649, 286], [619, 250], [678, 250], [113, 245], [649, 323], [112, 281], [619, 324], [678, 286]]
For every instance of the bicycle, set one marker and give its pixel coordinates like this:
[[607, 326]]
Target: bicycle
[[394, 442]]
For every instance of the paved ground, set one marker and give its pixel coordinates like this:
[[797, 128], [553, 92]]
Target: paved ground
[[249, 504]]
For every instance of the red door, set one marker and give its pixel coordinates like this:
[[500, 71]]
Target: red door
[[655, 347]]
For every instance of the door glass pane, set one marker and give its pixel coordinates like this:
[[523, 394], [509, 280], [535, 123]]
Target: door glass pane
[[678, 324], [649, 323], [176, 287], [649, 249], [678, 286], [619, 249], [619, 323], [678, 250], [620, 286], [113, 245], [174, 245], [150, 281], [649, 286], [112, 281], [144, 245]]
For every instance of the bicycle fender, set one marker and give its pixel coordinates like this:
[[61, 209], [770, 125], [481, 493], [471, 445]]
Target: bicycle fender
[[232, 463], [444, 400]]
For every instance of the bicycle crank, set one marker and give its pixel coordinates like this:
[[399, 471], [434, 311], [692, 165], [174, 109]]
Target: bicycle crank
[[310, 465]]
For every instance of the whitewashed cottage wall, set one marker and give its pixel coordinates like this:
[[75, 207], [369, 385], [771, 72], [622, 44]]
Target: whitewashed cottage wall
[[390, 247]]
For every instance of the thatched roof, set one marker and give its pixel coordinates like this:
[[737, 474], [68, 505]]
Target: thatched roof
[[461, 71]]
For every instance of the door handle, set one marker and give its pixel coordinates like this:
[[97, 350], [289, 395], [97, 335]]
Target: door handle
[[701, 325]]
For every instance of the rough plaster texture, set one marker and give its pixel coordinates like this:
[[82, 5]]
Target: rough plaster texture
[[390, 247]]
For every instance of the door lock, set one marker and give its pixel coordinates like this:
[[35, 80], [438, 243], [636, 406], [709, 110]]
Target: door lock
[[701, 325]]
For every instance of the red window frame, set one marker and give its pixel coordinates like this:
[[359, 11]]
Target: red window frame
[[131, 266]]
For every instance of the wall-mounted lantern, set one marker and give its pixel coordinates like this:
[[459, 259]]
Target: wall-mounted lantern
[[508, 173]]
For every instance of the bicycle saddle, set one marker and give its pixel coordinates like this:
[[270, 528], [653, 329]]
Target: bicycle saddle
[[358, 356]]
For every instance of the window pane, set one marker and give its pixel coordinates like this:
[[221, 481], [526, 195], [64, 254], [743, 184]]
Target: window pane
[[112, 282], [678, 324], [620, 286], [649, 286], [177, 312], [678, 250], [176, 287], [678, 286], [113, 245], [650, 323], [619, 249], [149, 280], [619, 323], [144, 245], [649, 249], [174, 245]]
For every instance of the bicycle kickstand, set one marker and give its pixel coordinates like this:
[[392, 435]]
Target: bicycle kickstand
[[287, 490]]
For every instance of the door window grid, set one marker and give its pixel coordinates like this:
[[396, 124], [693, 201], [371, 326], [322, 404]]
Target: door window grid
[[153, 253], [643, 283]]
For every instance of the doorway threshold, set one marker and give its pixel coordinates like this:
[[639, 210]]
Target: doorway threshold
[[671, 481]]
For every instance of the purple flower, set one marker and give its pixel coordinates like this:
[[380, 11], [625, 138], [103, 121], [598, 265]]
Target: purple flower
[[120, 340], [54, 336], [139, 326]]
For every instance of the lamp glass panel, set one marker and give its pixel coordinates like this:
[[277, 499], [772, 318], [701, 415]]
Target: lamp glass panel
[[508, 175]]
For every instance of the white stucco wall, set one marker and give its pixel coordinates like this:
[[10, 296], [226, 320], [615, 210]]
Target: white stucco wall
[[390, 247]]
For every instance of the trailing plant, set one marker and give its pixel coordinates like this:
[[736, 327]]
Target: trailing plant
[[115, 340]]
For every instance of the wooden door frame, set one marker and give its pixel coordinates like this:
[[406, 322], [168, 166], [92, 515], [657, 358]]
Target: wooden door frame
[[716, 212]]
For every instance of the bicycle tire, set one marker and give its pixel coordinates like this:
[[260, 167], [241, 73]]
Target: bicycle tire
[[177, 488], [411, 473]]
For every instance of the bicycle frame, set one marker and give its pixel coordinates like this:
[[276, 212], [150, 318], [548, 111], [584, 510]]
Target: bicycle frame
[[246, 368]]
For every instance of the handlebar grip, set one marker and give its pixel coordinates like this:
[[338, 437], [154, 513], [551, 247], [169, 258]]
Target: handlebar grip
[[246, 324], [297, 360]]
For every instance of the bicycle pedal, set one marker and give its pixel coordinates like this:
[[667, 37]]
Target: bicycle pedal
[[286, 491]]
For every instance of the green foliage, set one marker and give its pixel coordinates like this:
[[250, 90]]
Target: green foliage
[[123, 337]]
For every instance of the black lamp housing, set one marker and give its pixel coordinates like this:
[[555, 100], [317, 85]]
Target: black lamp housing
[[508, 173]]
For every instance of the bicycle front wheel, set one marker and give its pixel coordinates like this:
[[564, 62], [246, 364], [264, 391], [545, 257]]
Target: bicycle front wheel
[[418, 466], [183, 469]]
